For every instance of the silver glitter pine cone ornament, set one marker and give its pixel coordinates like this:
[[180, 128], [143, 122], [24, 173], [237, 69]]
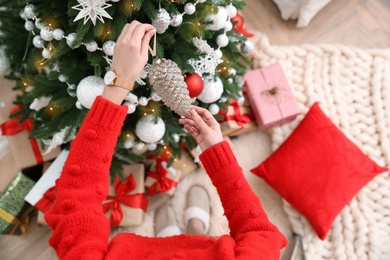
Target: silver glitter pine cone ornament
[[168, 82]]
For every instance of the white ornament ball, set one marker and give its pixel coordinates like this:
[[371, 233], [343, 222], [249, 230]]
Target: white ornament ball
[[131, 107], [143, 101], [4, 62], [214, 109], [240, 81], [108, 48], [47, 33], [151, 146], [218, 53], [91, 46], [29, 26], [139, 148], [39, 24], [212, 90], [176, 20], [58, 34], [155, 97], [131, 98], [46, 53], [150, 129], [223, 100], [78, 105], [228, 26], [88, 89], [29, 88], [222, 40], [38, 42], [175, 137], [247, 47], [217, 20], [162, 22], [241, 101], [71, 90], [62, 78], [231, 10], [232, 72], [29, 11], [128, 144], [230, 80], [189, 8], [23, 15], [70, 40]]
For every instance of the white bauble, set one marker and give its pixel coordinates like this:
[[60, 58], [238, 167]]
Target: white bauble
[[176, 20], [222, 40], [214, 109], [78, 105], [231, 10], [4, 62], [150, 129], [91, 46], [175, 137], [161, 23], [241, 100], [29, 11], [23, 15], [228, 26], [139, 148], [217, 20], [218, 53], [240, 81], [38, 23], [58, 34], [29, 26], [47, 33], [108, 48], [46, 53], [131, 107], [88, 89], [72, 90], [212, 90], [189, 8], [128, 144], [247, 47], [151, 146], [143, 101], [131, 98], [230, 81], [232, 72], [62, 78], [70, 40], [38, 42]]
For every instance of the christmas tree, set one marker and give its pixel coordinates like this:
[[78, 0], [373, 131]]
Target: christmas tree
[[57, 53]]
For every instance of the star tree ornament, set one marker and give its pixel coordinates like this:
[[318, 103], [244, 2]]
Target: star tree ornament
[[91, 10]]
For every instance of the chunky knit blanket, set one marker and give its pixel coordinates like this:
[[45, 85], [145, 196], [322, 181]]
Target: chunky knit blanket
[[352, 86]]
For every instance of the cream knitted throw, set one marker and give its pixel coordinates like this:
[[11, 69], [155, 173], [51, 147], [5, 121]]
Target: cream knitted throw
[[352, 86]]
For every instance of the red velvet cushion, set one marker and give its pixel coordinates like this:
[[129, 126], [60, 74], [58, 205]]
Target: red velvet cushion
[[318, 170]]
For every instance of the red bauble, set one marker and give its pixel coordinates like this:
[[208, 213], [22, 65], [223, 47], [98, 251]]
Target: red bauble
[[194, 84]]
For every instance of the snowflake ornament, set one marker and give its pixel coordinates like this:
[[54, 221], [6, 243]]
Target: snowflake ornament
[[208, 63], [91, 10]]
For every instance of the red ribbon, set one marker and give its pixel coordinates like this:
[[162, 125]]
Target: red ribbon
[[239, 26], [240, 118], [47, 201], [163, 183], [13, 127], [122, 189]]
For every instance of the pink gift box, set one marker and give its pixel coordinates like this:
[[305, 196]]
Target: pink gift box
[[271, 98]]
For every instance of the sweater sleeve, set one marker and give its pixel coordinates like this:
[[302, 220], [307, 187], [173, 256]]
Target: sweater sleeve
[[81, 230], [249, 226]]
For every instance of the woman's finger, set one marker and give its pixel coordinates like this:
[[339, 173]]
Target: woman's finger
[[199, 121]]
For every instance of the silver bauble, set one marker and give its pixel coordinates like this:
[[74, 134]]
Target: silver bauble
[[29, 11], [58, 34], [47, 33], [150, 129], [88, 89], [212, 90], [189, 8], [143, 101], [161, 23], [247, 47], [29, 26], [91, 46], [46, 53], [108, 48], [177, 20], [38, 42]]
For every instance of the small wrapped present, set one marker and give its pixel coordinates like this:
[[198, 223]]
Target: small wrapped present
[[161, 178], [26, 151], [185, 163], [126, 202], [13, 212], [237, 120], [271, 98]]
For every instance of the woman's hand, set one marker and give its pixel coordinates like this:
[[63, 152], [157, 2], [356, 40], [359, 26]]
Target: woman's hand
[[130, 57], [201, 124]]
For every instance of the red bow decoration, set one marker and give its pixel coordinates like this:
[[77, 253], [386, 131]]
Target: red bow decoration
[[122, 196], [163, 183], [241, 119], [47, 201], [239, 27], [13, 127]]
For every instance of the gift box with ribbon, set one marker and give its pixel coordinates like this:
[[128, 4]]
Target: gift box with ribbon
[[237, 120], [126, 202], [14, 211], [26, 151], [271, 98], [161, 178]]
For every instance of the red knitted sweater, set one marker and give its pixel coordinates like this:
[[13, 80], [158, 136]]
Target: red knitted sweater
[[81, 229]]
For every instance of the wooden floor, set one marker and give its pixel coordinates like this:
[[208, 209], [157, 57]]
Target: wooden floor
[[362, 23]]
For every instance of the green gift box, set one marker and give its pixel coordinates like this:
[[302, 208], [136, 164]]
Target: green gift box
[[13, 213]]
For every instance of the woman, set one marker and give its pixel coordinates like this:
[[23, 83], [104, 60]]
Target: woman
[[81, 230]]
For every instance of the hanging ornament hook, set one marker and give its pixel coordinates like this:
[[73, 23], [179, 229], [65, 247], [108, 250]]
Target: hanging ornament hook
[[153, 50]]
